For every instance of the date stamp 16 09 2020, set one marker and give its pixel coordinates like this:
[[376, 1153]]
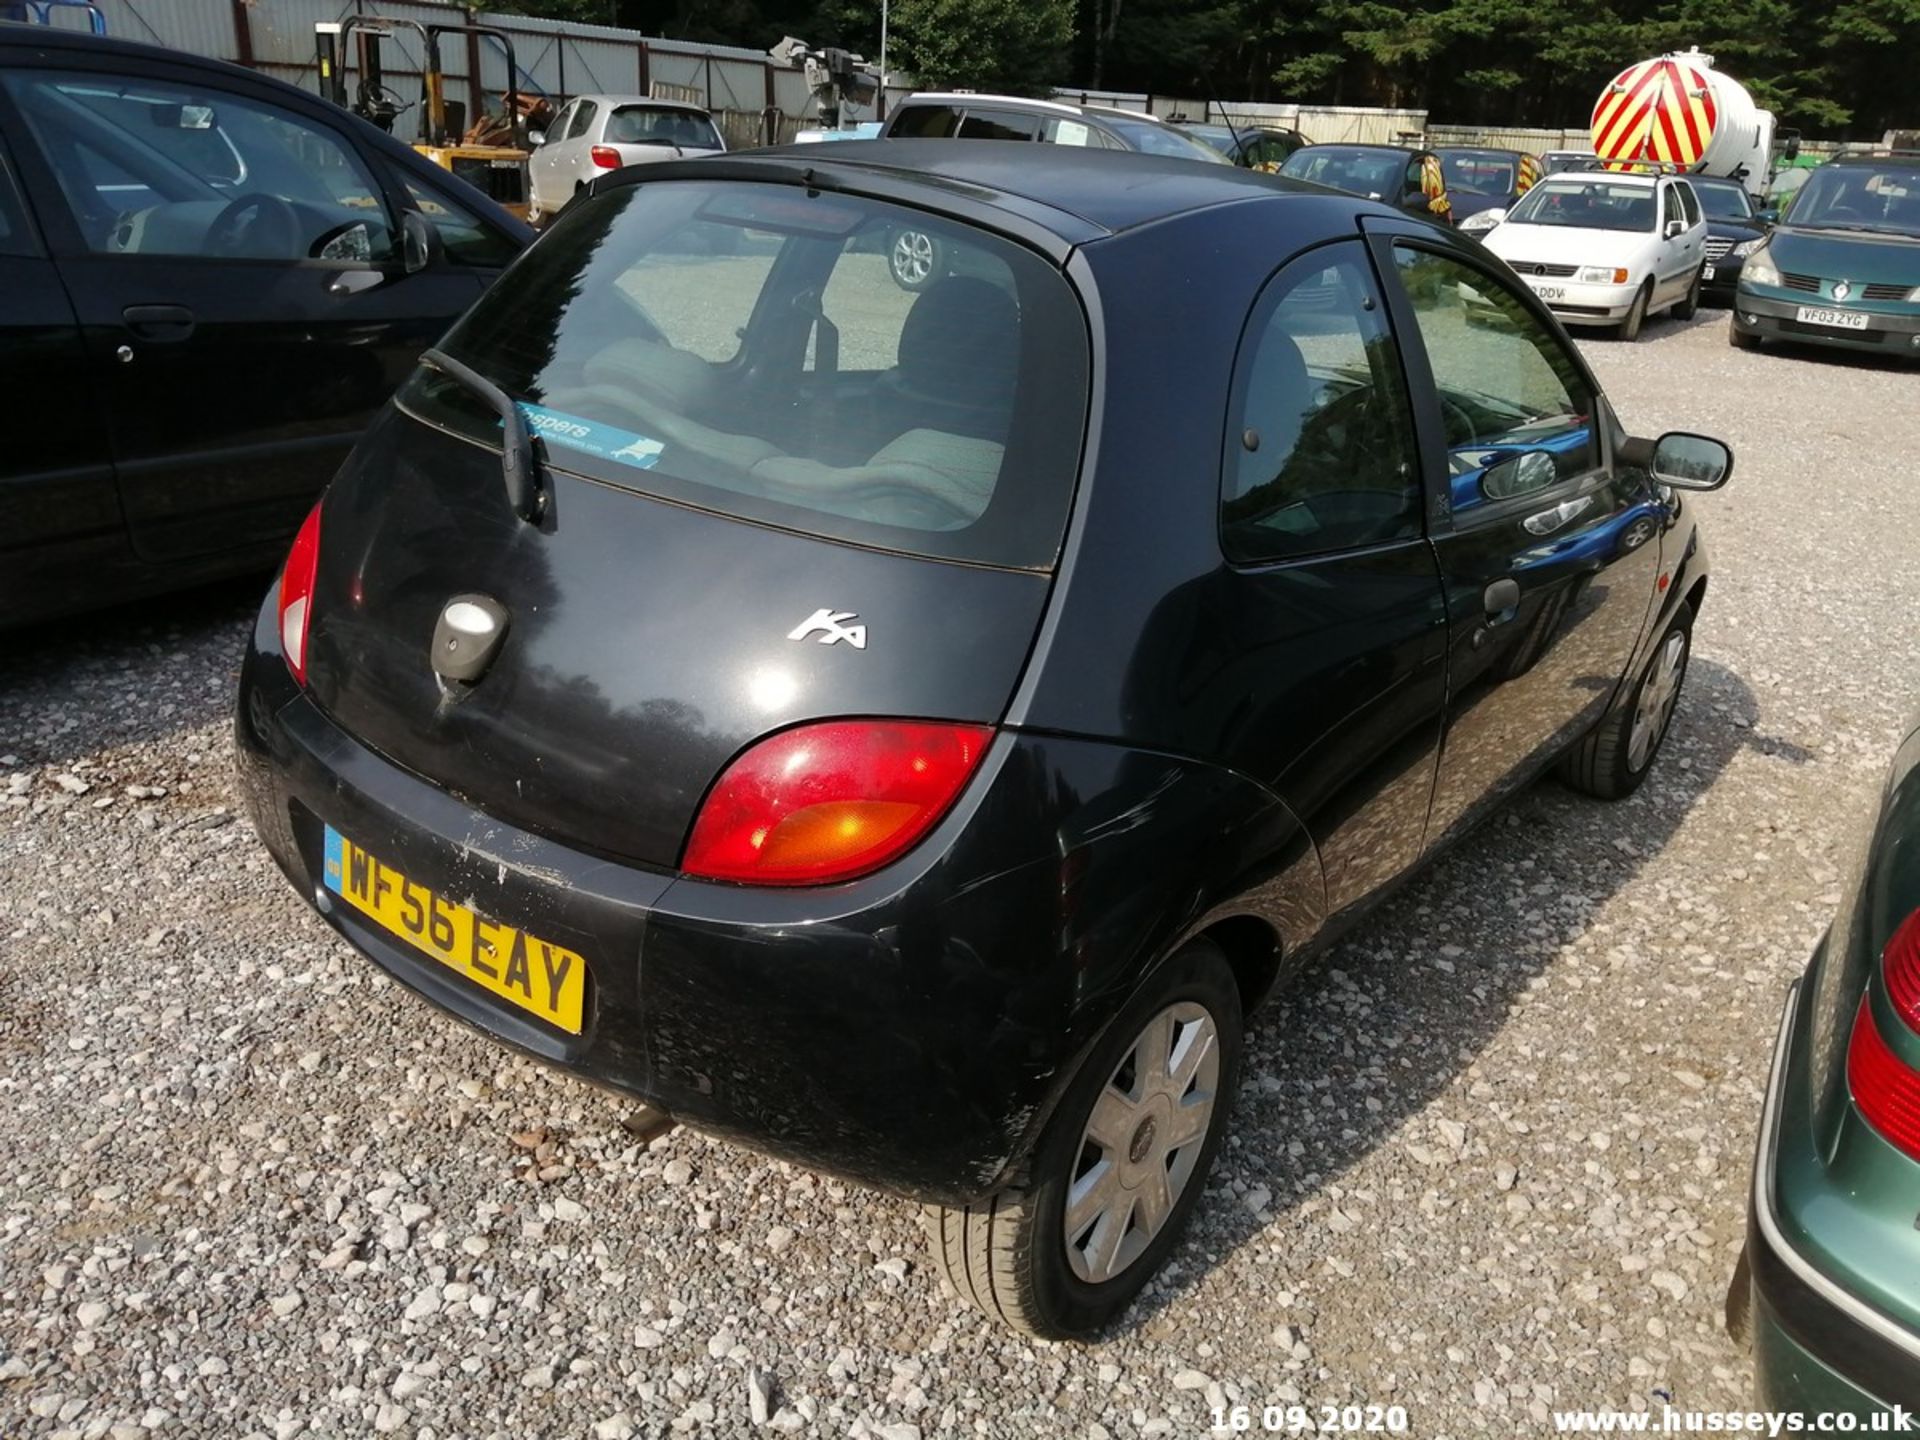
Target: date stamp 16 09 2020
[[1310, 1419]]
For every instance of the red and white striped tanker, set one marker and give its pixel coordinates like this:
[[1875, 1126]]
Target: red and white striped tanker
[[1679, 110]]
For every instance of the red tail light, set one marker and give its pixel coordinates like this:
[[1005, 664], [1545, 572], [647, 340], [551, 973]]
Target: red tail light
[[296, 594], [1885, 1088], [831, 801], [605, 156]]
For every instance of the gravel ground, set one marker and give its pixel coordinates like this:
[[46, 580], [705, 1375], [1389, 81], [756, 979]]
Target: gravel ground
[[1489, 1158]]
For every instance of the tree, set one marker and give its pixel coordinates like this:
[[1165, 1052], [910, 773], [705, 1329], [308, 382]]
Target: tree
[[1014, 47]]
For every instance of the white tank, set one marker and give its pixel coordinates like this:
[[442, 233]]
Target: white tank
[[1680, 110]]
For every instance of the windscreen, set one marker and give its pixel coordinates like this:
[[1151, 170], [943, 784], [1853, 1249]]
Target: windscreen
[[1481, 172], [748, 349], [647, 125], [1723, 200], [1588, 205], [1154, 139], [1379, 174], [1860, 197]]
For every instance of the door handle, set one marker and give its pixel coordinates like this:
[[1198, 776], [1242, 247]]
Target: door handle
[[1502, 601], [162, 324]]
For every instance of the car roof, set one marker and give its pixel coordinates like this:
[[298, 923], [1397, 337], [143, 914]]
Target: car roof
[[1884, 159], [969, 97], [1362, 145], [652, 102], [1612, 177], [1065, 188]]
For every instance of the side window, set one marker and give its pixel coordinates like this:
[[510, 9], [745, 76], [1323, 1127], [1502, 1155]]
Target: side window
[[1319, 450], [1072, 132], [583, 115], [155, 168], [924, 122], [1518, 415], [467, 239], [1690, 202], [998, 125], [562, 122]]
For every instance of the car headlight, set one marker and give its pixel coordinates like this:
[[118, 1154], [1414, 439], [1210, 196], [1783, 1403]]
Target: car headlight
[[1913, 296], [1484, 220], [1746, 248], [1601, 275], [1759, 269]]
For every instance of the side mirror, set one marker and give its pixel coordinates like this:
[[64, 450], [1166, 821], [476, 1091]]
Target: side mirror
[[1792, 148], [1682, 460], [1768, 216], [1675, 228], [536, 138], [1520, 474], [419, 241]]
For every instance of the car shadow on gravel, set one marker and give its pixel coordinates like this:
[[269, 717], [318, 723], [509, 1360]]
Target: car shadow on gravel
[[77, 687], [1368, 1034]]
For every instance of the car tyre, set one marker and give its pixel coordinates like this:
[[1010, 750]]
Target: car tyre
[[1690, 305], [915, 259], [1738, 338], [1613, 760], [1013, 1256], [1637, 313]]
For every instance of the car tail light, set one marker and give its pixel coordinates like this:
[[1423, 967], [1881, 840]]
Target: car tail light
[[296, 594], [605, 156], [1885, 1088], [831, 801]]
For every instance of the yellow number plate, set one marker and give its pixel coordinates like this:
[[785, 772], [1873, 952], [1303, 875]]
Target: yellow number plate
[[541, 978]]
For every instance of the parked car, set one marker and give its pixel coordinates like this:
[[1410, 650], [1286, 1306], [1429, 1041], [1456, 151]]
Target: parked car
[[1410, 179], [1252, 147], [209, 283], [1843, 267], [1825, 1288], [907, 733], [917, 255], [1735, 229], [1484, 183], [593, 134], [1607, 247]]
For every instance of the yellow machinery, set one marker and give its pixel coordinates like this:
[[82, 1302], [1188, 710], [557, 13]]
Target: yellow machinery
[[498, 171]]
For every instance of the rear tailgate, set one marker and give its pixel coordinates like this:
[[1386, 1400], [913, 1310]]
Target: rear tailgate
[[647, 643]]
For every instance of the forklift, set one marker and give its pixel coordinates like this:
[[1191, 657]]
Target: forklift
[[498, 171]]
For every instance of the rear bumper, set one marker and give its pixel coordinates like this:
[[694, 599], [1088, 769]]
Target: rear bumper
[[1777, 319], [893, 1030], [1818, 1347]]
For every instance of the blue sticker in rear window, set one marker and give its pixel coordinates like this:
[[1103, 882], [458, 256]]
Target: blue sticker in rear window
[[609, 442]]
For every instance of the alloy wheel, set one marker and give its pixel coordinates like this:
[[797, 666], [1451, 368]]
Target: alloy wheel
[[1658, 694], [1142, 1141]]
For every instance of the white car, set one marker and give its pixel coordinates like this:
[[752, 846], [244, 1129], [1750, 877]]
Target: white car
[[597, 133], [1606, 248]]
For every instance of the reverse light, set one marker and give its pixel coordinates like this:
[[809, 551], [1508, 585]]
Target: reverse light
[[296, 594], [831, 801], [605, 157], [1602, 275]]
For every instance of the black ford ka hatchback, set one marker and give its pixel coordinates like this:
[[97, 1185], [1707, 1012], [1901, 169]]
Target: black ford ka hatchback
[[907, 732]]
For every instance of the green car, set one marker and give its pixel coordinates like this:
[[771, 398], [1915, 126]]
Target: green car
[[1828, 1286], [1843, 267]]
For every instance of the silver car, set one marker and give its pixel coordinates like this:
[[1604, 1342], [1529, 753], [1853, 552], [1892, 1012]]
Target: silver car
[[593, 134]]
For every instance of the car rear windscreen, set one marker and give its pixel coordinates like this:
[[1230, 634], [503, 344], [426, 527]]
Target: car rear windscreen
[[655, 125], [751, 349]]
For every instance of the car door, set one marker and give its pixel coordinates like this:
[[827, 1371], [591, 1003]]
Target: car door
[[238, 277], [1333, 616], [1543, 542], [544, 165], [573, 165], [59, 513], [1698, 230]]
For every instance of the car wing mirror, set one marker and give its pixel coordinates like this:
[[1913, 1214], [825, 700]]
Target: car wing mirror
[[1675, 228], [536, 138], [1768, 216], [419, 242], [1683, 460]]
